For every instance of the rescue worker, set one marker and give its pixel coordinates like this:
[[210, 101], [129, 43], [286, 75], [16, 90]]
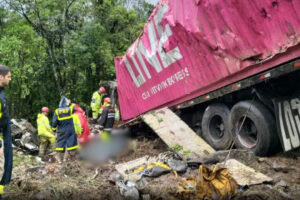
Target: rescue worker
[[107, 119], [84, 137], [5, 78], [62, 122], [96, 103], [117, 115], [45, 132]]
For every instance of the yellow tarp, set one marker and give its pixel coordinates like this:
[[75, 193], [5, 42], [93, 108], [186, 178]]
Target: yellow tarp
[[211, 184]]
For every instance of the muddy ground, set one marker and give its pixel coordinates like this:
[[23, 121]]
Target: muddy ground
[[33, 179]]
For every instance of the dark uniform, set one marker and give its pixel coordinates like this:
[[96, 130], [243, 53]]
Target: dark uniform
[[63, 122], [107, 118], [5, 130]]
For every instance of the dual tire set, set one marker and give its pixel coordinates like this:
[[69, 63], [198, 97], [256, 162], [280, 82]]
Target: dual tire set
[[248, 124]]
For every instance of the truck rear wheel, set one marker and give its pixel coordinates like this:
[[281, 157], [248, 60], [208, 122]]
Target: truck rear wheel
[[215, 126], [258, 132]]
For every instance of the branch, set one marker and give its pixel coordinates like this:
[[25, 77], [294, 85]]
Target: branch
[[20, 10], [67, 9]]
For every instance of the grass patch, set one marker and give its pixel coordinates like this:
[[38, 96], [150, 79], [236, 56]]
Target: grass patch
[[177, 147]]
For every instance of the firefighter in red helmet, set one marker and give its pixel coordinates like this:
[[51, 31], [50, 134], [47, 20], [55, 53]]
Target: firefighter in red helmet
[[45, 132]]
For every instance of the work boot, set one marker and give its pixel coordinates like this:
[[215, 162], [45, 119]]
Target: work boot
[[73, 155], [53, 147], [66, 156], [42, 149], [58, 157]]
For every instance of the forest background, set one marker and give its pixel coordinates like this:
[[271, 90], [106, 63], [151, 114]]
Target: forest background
[[64, 47]]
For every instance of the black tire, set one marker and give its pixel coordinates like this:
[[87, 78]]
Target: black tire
[[215, 126], [258, 132]]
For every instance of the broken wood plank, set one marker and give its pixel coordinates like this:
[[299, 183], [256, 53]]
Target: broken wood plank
[[245, 175], [126, 169], [175, 133]]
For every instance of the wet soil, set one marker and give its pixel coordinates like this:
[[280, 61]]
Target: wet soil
[[32, 179], [78, 180]]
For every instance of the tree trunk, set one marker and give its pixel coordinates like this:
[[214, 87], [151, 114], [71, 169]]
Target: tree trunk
[[55, 71]]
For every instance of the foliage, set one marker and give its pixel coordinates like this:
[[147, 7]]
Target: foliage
[[176, 147], [63, 47]]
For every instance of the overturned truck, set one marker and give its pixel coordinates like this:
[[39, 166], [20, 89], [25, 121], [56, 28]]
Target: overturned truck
[[230, 69]]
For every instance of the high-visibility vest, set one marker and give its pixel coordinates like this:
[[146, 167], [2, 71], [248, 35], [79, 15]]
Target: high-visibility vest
[[64, 113], [96, 102], [43, 124], [77, 124]]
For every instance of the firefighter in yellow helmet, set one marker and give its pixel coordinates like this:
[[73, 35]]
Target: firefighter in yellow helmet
[[45, 132], [96, 103]]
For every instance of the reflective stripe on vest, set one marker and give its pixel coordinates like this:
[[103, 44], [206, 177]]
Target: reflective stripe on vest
[[64, 113]]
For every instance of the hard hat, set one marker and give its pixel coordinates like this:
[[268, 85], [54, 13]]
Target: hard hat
[[45, 109], [107, 100], [101, 90]]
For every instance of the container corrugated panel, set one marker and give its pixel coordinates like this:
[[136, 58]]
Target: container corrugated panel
[[191, 47]]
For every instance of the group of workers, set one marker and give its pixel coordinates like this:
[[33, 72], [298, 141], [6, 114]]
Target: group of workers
[[70, 125]]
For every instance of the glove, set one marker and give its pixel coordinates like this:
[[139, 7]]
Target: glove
[[94, 121]]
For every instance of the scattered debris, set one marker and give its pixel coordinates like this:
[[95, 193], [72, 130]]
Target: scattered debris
[[128, 190], [34, 178], [215, 183], [126, 169], [177, 165], [24, 136], [96, 173], [177, 135], [245, 175], [153, 170]]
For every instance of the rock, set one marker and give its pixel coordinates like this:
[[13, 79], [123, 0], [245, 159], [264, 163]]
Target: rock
[[260, 160], [282, 187], [281, 167], [33, 169], [114, 177], [128, 192], [39, 160], [141, 183], [281, 183], [39, 196], [146, 197], [24, 135], [177, 165], [130, 184]]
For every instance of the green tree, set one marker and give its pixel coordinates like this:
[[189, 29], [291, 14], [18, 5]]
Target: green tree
[[63, 47], [52, 20]]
